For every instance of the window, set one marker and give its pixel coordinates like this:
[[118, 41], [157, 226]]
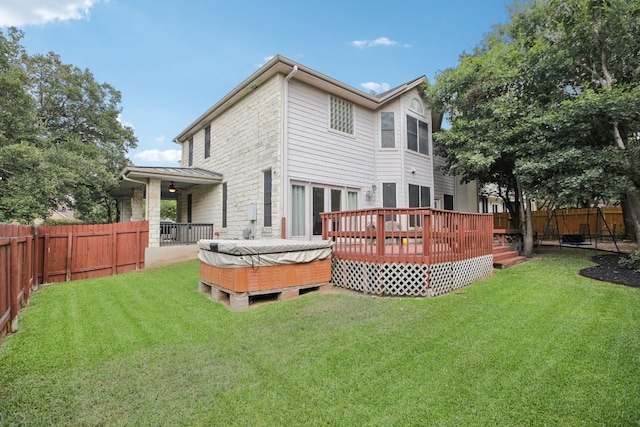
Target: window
[[387, 130], [224, 205], [341, 113], [207, 141], [317, 207], [336, 200], [419, 197], [485, 204], [352, 200], [267, 198], [389, 195], [448, 202], [416, 106], [425, 197], [190, 151], [417, 135], [494, 208], [297, 210]]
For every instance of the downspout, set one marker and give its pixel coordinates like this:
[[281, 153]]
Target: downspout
[[284, 189]]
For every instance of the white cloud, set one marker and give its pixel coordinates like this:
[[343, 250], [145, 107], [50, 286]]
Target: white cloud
[[123, 123], [159, 139], [380, 41], [265, 60], [376, 87], [157, 156], [37, 12]]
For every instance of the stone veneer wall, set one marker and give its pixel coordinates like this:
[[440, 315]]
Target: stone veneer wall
[[241, 151]]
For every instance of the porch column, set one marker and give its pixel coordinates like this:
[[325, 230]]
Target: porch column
[[125, 209], [153, 212], [137, 204]]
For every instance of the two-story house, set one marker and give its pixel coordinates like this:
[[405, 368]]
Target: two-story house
[[289, 143]]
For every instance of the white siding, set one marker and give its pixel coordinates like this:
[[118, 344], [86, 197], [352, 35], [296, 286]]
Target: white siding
[[444, 184], [317, 154]]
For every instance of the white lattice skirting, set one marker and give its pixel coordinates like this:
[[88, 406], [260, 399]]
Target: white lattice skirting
[[410, 279]]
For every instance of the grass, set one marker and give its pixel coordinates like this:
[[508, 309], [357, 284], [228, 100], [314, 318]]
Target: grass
[[535, 344]]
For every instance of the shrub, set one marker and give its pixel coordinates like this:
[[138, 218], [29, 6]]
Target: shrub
[[631, 262]]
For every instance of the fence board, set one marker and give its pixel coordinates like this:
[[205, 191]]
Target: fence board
[[16, 278], [5, 290], [93, 250], [570, 221]]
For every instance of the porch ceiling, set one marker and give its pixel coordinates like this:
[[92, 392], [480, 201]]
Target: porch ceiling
[[133, 177]]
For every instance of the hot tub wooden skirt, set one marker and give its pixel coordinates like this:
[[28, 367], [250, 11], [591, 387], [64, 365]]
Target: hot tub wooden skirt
[[239, 283]]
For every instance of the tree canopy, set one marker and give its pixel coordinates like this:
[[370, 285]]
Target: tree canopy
[[61, 140], [548, 104]]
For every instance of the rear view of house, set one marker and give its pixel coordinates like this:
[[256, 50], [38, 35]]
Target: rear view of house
[[289, 143]]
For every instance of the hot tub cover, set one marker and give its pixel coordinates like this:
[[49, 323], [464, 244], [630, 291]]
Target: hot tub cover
[[262, 252]]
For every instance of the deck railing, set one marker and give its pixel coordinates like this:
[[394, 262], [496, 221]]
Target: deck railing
[[175, 233], [414, 235]]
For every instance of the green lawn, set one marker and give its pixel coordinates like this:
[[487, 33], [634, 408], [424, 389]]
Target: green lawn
[[533, 345]]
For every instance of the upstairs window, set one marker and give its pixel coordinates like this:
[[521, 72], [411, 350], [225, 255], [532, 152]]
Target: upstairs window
[[341, 115], [387, 130], [207, 142], [191, 151], [417, 135]]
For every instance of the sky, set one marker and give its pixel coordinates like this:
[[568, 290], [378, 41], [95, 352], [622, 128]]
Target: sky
[[172, 60]]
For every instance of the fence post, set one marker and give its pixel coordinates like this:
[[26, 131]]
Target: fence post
[[114, 249], [28, 267], [14, 288], [69, 255], [380, 234]]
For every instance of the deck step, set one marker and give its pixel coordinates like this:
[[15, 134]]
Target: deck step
[[505, 257]]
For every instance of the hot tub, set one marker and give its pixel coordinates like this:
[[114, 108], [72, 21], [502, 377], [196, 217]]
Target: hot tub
[[238, 269]]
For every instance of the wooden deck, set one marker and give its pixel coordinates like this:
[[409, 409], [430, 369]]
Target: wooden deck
[[409, 252]]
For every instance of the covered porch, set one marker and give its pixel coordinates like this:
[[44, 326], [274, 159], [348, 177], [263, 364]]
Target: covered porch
[[141, 190]]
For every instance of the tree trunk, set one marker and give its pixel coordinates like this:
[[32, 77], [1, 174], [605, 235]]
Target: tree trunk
[[528, 234], [527, 221], [629, 228], [633, 204]]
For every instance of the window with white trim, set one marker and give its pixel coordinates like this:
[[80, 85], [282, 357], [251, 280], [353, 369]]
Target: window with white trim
[[387, 130], [341, 115], [417, 135]]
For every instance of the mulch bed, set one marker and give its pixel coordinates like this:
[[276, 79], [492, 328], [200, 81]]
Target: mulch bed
[[608, 270]]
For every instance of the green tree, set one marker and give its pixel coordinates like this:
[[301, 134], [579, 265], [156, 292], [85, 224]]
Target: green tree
[[168, 209], [549, 102], [70, 124]]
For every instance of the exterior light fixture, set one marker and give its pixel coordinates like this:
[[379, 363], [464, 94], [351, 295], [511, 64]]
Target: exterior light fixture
[[172, 188]]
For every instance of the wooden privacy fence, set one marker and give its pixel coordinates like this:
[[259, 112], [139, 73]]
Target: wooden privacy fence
[[30, 256], [70, 252], [16, 273], [570, 221]]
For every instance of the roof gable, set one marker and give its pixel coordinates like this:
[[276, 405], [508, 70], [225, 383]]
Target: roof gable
[[281, 65]]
